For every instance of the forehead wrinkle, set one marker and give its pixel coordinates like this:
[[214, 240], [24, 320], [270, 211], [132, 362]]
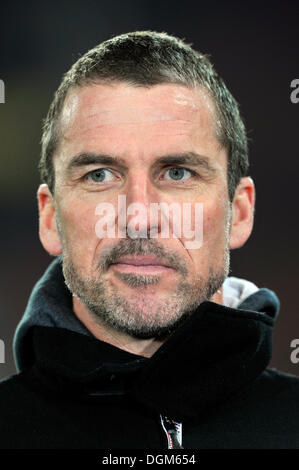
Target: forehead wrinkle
[[134, 113], [160, 127], [68, 134], [143, 122], [178, 98]]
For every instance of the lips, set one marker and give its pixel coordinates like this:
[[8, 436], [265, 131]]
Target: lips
[[141, 261], [141, 265]]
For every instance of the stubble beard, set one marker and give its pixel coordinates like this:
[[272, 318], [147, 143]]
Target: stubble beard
[[141, 316]]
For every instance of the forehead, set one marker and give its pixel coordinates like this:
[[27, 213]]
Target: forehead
[[121, 116]]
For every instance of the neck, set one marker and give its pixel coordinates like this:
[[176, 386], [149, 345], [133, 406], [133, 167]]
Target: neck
[[101, 331]]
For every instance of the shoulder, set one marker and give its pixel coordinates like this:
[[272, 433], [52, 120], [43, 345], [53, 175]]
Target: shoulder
[[17, 401], [273, 395], [278, 391], [24, 413], [282, 380], [9, 386], [13, 395]]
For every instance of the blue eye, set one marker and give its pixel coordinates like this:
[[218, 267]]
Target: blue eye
[[178, 173], [101, 175]]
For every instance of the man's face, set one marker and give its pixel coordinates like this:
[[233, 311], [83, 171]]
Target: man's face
[[163, 145]]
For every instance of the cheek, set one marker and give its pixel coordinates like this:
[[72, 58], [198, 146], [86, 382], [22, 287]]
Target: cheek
[[214, 239], [214, 227], [78, 223]]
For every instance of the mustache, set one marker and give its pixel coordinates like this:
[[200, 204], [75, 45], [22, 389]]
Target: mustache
[[139, 247]]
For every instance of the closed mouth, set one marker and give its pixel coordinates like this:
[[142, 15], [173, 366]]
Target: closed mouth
[[141, 265]]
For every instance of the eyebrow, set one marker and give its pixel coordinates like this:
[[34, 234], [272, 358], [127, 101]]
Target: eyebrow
[[84, 159], [189, 158]]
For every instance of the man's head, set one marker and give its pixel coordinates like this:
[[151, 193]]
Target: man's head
[[145, 117]]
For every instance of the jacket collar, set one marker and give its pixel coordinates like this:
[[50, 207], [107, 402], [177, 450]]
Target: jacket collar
[[215, 354]]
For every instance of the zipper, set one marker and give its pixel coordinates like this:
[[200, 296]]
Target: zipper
[[173, 431]]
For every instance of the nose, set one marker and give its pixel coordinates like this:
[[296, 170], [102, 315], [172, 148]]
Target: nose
[[140, 188], [140, 194]]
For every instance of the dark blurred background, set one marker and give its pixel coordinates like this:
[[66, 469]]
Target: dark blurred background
[[254, 46]]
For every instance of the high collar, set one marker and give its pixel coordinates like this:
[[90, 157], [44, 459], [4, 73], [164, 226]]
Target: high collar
[[215, 354]]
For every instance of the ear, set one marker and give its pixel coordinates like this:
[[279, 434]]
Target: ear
[[48, 232], [242, 213]]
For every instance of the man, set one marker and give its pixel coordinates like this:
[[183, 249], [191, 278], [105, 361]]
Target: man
[[136, 337]]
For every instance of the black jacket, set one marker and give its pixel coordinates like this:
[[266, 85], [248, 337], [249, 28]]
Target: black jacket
[[74, 391]]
